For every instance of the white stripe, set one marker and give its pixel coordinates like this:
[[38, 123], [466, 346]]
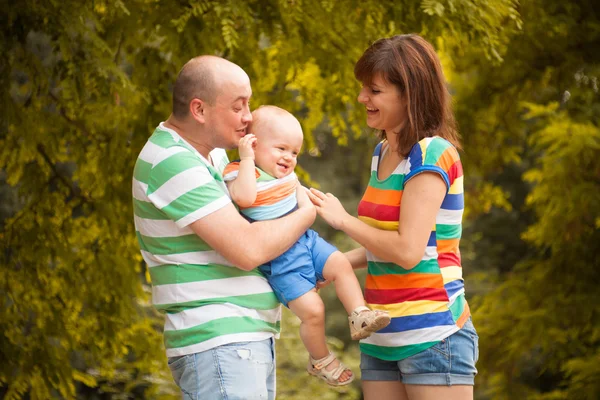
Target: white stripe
[[455, 295], [149, 152], [374, 163], [373, 258], [201, 315], [415, 336], [179, 185], [139, 190], [203, 211], [160, 228], [166, 153], [449, 217], [260, 186], [230, 176], [219, 341], [194, 257], [430, 253], [214, 288]]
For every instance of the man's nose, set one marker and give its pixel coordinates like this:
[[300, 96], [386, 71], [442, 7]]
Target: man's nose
[[247, 116]]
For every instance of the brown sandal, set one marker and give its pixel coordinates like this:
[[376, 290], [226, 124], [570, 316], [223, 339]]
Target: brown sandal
[[363, 322], [317, 368]]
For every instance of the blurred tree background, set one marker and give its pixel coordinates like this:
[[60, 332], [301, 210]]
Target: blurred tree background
[[84, 83]]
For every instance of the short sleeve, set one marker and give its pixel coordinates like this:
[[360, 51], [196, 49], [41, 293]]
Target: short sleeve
[[232, 169], [435, 155], [183, 187]]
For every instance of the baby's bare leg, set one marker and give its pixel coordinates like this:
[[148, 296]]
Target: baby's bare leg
[[339, 271], [310, 309]]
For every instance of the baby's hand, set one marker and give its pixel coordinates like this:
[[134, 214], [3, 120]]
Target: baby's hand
[[246, 146]]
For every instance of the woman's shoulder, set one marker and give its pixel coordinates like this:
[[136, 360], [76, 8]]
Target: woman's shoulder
[[434, 145]]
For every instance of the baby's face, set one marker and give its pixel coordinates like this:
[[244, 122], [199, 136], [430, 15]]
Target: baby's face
[[277, 147]]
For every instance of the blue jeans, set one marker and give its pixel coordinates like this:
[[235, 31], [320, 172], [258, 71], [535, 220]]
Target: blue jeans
[[235, 371], [450, 362]]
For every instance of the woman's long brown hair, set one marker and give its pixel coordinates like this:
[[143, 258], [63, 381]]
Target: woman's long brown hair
[[411, 63]]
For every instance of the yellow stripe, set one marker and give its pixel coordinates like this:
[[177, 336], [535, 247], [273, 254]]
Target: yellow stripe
[[451, 274], [385, 225], [411, 307], [457, 186]]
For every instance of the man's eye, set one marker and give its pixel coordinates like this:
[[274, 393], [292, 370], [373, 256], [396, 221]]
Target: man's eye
[[237, 109]]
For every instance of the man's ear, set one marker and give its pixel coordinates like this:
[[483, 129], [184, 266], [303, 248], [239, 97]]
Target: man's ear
[[198, 109]]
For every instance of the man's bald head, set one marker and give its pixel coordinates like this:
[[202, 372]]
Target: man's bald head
[[198, 79]]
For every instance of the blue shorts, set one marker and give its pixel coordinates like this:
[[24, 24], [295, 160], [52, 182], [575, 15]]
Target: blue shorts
[[450, 362], [297, 271]]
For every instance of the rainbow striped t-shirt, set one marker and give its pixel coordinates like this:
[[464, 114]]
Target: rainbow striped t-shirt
[[426, 303], [274, 197]]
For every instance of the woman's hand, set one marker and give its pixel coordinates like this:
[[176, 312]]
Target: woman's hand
[[329, 208]]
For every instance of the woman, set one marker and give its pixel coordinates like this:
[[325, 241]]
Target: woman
[[409, 227]]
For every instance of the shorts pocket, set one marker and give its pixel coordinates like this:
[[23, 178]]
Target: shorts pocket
[[443, 347]]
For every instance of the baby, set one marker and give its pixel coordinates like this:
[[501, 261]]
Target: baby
[[263, 184]]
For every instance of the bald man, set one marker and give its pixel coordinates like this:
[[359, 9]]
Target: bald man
[[221, 315]]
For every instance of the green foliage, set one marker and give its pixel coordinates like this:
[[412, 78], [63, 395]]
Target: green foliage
[[532, 125], [82, 85]]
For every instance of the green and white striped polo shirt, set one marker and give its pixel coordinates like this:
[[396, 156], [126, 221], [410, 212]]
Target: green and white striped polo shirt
[[207, 301]]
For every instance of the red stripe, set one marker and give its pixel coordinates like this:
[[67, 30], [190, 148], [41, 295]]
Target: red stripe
[[379, 212], [400, 295], [455, 171], [448, 259]]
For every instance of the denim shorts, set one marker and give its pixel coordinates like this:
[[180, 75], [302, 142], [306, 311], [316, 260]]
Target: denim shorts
[[297, 271], [450, 362], [235, 371]]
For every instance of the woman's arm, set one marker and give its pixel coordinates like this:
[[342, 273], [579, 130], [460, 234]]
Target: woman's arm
[[421, 200], [357, 257]]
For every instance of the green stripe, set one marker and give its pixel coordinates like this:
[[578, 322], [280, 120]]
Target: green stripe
[[184, 273], [219, 327], [395, 353], [458, 307], [172, 245], [145, 209], [193, 200], [423, 267], [171, 167], [444, 232], [393, 182], [264, 177], [260, 301], [162, 138], [142, 170], [434, 151]]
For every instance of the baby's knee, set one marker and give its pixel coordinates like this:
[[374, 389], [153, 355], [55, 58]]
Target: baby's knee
[[315, 314]]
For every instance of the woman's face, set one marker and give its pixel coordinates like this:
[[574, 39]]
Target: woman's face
[[386, 110]]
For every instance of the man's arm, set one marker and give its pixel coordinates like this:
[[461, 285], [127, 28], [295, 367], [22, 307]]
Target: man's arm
[[248, 245]]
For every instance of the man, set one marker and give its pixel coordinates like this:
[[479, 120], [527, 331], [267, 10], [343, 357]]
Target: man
[[220, 320]]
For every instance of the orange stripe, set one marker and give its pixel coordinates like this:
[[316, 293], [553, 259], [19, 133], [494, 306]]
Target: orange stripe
[[381, 196], [408, 281], [274, 194], [447, 246], [464, 316], [446, 160]]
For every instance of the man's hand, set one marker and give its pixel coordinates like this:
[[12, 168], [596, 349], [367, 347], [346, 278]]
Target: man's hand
[[246, 147]]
